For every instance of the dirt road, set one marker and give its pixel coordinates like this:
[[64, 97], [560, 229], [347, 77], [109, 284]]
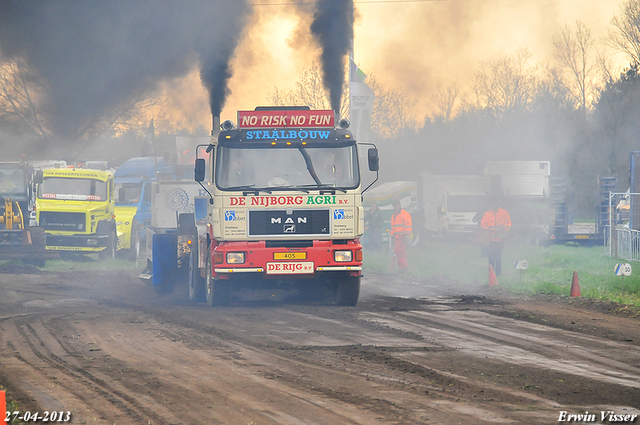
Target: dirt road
[[107, 348]]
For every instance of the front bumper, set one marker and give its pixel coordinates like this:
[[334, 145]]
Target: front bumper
[[85, 243], [287, 262]]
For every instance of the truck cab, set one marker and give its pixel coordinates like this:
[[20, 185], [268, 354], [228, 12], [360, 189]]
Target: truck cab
[[285, 206], [133, 181], [76, 207]]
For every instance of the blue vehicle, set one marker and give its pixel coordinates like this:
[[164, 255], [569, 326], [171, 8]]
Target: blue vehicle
[[133, 201]]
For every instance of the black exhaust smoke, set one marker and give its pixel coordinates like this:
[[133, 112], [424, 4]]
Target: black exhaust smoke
[[215, 75], [333, 28], [94, 58]]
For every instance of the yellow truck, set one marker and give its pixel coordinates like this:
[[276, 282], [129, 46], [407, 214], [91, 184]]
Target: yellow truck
[[76, 208]]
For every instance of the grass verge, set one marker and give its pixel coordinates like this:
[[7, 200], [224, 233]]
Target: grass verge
[[550, 268]]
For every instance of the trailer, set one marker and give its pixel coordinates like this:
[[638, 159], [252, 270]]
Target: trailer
[[172, 195], [564, 230]]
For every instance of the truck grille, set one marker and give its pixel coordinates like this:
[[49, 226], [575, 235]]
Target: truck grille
[[62, 221], [299, 222]]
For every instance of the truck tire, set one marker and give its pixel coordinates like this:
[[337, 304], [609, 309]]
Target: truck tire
[[110, 250], [38, 245], [218, 293], [347, 291], [197, 284], [134, 243]]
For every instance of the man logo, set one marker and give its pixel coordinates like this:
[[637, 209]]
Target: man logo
[[290, 228], [338, 214], [229, 216]]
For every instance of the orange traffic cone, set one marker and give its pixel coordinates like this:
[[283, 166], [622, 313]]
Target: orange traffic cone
[[575, 285], [493, 281]]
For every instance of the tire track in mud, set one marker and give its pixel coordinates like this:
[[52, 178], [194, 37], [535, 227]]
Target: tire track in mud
[[284, 361], [512, 343], [602, 370], [379, 364], [89, 384], [316, 398], [400, 364]]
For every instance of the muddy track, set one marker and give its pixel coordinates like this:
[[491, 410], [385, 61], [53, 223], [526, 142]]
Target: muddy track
[[112, 351], [49, 348]]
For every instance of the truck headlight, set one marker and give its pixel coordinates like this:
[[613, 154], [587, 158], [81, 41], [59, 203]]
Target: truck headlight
[[235, 257], [92, 242], [342, 256]]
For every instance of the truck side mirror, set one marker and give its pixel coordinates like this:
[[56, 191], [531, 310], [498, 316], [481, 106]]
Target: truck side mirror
[[440, 210], [374, 161], [38, 178], [199, 170]]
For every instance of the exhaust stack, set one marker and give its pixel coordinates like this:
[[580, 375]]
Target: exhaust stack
[[215, 129]]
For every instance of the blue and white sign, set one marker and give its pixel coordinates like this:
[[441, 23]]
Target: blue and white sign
[[521, 265], [338, 214], [622, 269], [229, 216]]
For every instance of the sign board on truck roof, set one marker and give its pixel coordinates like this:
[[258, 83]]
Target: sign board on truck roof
[[286, 118]]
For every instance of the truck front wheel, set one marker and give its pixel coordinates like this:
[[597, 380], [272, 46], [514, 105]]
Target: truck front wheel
[[134, 250], [38, 245], [347, 290], [110, 250], [218, 292]]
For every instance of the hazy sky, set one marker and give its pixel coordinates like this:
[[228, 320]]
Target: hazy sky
[[411, 46]]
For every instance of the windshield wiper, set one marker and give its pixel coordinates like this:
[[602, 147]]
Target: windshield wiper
[[309, 163], [248, 188], [281, 188], [323, 186]]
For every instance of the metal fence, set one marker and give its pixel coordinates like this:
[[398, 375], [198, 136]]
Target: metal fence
[[625, 243]]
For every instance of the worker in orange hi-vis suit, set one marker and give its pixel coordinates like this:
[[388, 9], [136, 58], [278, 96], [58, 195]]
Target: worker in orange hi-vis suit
[[400, 232], [498, 222]]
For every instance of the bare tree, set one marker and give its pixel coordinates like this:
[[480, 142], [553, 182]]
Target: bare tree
[[392, 110], [506, 85], [625, 36], [308, 91], [573, 49], [22, 95], [444, 100], [19, 92]]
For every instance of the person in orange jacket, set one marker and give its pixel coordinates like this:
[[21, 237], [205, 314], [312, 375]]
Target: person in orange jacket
[[400, 232], [498, 221]]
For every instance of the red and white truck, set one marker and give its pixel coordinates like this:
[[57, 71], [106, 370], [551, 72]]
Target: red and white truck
[[283, 208]]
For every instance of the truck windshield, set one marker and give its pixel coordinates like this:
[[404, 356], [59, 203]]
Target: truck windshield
[[12, 180], [128, 193], [306, 167], [72, 189]]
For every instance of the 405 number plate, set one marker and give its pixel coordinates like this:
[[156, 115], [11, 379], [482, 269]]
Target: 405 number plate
[[289, 255]]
